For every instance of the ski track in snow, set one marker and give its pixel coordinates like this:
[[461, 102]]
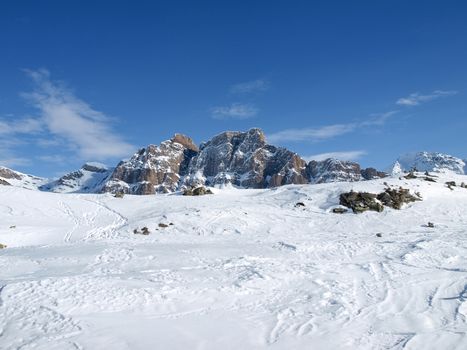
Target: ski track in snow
[[238, 269]]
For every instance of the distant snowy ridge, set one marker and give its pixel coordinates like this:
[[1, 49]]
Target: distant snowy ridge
[[429, 161], [11, 177], [89, 179]]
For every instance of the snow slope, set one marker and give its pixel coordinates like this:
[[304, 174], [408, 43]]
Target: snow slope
[[89, 179], [240, 269]]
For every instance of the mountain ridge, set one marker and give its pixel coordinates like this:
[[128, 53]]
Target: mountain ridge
[[230, 158]]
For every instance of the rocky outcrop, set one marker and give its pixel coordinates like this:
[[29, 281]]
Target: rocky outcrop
[[154, 169], [360, 202], [4, 183], [396, 198], [90, 178], [244, 159]]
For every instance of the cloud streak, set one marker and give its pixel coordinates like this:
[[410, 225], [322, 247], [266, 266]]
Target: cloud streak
[[21, 126], [312, 134], [249, 87], [329, 131], [234, 111], [416, 98], [346, 155], [69, 118]]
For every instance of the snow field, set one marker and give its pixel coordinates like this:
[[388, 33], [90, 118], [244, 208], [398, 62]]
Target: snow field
[[237, 269]]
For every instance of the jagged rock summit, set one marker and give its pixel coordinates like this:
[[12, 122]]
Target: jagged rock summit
[[154, 169], [429, 161], [242, 159]]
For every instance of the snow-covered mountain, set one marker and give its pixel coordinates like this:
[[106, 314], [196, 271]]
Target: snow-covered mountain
[[90, 178], [429, 161], [11, 177], [242, 159]]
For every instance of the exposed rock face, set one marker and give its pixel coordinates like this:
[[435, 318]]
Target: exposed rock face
[[360, 202], [332, 170], [372, 173], [154, 169], [90, 178], [396, 198], [429, 161], [6, 173], [245, 159], [15, 178], [4, 183]]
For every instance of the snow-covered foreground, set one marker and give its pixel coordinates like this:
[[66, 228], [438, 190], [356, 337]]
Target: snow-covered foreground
[[241, 269]]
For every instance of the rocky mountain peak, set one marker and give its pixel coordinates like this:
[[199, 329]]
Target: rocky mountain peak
[[95, 167], [154, 169], [185, 141], [245, 159]]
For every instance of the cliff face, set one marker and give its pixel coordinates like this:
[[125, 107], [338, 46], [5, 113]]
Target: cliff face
[[154, 169], [245, 159], [332, 170]]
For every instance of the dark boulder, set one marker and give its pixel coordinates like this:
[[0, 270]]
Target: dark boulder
[[395, 198], [360, 202]]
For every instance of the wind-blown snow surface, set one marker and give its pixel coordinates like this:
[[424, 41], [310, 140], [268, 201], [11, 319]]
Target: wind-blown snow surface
[[240, 269]]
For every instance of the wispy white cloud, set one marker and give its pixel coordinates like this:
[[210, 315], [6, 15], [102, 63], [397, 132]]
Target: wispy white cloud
[[234, 111], [330, 131], [416, 98], [10, 161], [54, 158], [8, 157], [71, 119], [312, 134], [378, 119], [253, 86], [20, 126], [346, 155], [50, 142]]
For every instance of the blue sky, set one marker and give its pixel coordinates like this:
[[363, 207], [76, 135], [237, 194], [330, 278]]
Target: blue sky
[[363, 80]]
